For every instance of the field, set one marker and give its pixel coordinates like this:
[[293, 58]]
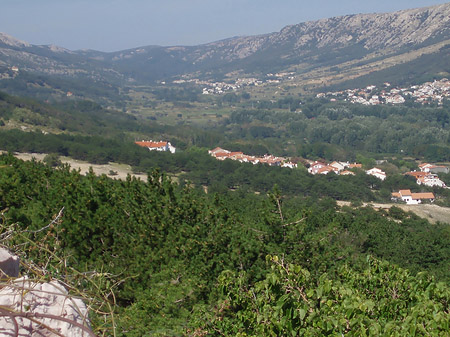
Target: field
[[120, 171], [433, 213]]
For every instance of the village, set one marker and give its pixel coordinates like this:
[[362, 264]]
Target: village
[[427, 175], [217, 88], [426, 93]]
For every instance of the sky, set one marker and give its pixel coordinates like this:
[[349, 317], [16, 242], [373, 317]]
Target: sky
[[113, 25]]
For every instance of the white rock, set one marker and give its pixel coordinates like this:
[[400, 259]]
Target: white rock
[[47, 303]]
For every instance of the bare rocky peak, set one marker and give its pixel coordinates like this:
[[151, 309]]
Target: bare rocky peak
[[58, 49], [396, 29], [373, 31], [13, 42]]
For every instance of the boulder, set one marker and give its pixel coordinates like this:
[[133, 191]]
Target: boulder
[[32, 309], [9, 264]]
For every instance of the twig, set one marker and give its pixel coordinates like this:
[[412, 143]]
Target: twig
[[51, 223], [294, 223]]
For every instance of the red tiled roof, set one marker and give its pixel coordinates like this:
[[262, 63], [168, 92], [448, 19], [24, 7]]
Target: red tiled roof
[[405, 192], [218, 149], [425, 195], [417, 174], [151, 144], [221, 154], [346, 173]]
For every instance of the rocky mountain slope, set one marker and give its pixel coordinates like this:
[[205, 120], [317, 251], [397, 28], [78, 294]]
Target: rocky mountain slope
[[310, 49]]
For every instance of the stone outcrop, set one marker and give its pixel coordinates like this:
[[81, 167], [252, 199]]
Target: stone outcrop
[[9, 264], [32, 309]]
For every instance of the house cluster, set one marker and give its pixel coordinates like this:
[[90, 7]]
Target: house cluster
[[156, 146], [412, 198], [342, 168], [428, 175], [425, 93], [211, 88], [222, 154]]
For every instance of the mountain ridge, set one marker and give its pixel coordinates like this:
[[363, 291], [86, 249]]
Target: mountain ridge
[[299, 48]]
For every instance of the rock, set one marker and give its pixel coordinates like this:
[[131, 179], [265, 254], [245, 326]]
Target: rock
[[9, 264], [49, 304], [29, 309]]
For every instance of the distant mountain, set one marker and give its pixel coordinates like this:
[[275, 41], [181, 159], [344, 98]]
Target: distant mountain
[[328, 50]]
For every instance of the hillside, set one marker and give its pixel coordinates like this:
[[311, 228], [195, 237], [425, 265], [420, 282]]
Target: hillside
[[323, 52], [184, 244], [166, 258], [302, 47]]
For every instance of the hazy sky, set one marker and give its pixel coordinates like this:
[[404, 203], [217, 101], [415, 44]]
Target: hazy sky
[[111, 25]]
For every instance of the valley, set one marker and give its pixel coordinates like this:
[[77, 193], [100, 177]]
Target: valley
[[293, 183]]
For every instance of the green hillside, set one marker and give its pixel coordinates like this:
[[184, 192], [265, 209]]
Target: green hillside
[[172, 260]]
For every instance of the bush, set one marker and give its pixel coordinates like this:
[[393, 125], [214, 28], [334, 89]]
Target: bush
[[52, 160]]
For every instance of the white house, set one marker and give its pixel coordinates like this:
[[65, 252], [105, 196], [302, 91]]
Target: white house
[[339, 166], [289, 164], [425, 167], [157, 146], [376, 172], [426, 178], [431, 180], [412, 198], [316, 167]]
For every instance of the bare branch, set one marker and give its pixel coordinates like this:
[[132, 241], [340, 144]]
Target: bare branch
[[60, 214]]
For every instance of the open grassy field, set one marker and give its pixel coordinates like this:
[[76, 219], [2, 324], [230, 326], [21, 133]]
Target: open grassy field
[[120, 170], [433, 213]]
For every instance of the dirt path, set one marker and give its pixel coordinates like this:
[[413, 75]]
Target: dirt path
[[433, 213], [121, 169]]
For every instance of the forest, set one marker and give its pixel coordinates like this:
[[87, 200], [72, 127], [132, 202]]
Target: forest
[[173, 260], [222, 248]]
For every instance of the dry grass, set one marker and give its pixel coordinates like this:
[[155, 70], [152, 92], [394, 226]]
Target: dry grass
[[432, 213], [121, 170]]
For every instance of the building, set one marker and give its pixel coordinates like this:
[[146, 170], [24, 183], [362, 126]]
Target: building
[[315, 167], [426, 178], [376, 172], [425, 167], [289, 164], [157, 146], [355, 165], [339, 166], [413, 198], [222, 154]]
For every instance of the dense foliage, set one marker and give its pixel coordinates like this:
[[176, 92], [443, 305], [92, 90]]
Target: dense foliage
[[336, 130], [382, 300], [170, 249]]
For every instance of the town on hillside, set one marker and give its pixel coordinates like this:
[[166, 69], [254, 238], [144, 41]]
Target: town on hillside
[[314, 167], [217, 88], [426, 93], [427, 175], [222, 154]]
